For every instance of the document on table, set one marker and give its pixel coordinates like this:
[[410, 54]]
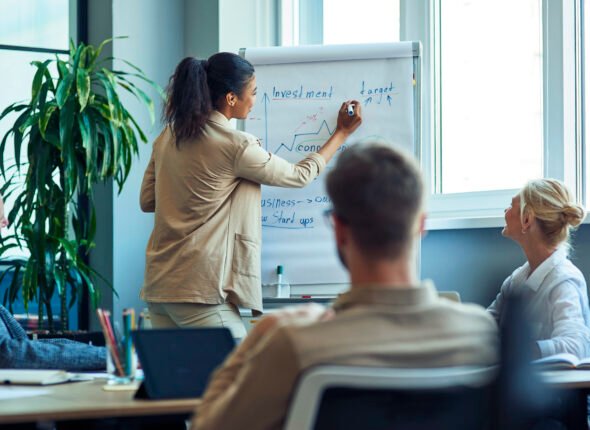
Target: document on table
[[19, 392]]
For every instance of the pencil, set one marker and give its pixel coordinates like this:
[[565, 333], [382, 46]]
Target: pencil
[[103, 317]]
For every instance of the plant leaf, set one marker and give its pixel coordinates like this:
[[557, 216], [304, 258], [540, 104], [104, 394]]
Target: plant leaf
[[63, 90], [83, 87]]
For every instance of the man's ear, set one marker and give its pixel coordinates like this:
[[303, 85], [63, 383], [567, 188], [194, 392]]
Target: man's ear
[[422, 224], [341, 232]]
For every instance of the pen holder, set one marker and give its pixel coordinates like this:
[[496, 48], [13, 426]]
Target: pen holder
[[121, 370]]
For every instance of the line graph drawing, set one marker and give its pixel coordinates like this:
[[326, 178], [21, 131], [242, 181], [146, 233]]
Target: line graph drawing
[[291, 147], [308, 141]]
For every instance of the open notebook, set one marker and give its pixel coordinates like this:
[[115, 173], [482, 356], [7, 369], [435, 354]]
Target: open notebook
[[562, 361], [35, 376]]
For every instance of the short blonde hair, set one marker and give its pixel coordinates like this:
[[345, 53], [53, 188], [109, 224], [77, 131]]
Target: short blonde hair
[[553, 206]]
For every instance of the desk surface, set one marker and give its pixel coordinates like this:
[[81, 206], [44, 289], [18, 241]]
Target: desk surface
[[576, 379], [87, 400]]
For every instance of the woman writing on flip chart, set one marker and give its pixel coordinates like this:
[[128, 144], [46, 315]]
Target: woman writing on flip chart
[[203, 183], [539, 220]]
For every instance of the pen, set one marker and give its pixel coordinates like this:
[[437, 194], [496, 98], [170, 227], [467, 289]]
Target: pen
[[351, 109]]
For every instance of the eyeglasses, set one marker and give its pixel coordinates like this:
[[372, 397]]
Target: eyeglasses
[[329, 217]]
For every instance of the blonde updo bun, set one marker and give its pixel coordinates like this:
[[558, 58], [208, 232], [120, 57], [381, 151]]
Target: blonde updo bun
[[573, 214], [553, 206]]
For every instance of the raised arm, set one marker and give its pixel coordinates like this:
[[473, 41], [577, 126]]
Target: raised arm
[[257, 165]]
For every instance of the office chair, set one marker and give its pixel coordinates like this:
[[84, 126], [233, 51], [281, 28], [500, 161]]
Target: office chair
[[350, 397]]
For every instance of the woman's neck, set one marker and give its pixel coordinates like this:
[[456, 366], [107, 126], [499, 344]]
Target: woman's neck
[[536, 252]]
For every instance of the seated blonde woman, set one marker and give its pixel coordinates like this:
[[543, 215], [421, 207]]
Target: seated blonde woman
[[540, 220]]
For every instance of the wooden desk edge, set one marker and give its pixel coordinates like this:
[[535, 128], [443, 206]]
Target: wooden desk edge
[[63, 405]]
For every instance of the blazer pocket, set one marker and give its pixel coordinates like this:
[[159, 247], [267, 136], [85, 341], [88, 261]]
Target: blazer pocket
[[246, 258]]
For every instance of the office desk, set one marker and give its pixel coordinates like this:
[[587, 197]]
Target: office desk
[[87, 401], [567, 379], [571, 389]]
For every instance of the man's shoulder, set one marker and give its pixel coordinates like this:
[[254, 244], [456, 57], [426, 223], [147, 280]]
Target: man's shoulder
[[464, 312]]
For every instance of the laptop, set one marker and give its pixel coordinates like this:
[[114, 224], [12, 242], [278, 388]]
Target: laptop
[[177, 363]]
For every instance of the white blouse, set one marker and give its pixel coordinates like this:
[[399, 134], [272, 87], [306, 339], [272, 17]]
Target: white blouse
[[557, 301]]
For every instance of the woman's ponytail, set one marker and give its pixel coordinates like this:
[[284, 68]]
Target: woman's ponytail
[[188, 103]]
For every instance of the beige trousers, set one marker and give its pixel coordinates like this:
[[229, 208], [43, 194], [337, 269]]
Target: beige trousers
[[190, 315]]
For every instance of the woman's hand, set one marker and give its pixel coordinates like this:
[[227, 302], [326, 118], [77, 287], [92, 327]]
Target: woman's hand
[[345, 126], [347, 123]]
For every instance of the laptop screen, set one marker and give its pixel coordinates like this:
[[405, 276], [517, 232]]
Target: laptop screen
[[177, 363]]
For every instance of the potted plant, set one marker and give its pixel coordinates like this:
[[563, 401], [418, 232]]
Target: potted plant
[[76, 132]]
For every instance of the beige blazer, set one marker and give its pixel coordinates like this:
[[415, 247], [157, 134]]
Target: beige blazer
[[380, 327], [205, 245]]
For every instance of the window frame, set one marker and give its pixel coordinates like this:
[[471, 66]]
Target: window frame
[[562, 120], [563, 146]]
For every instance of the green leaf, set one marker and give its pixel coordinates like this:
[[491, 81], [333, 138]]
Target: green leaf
[[67, 116], [142, 136], [147, 101], [13, 108], [120, 74], [87, 143], [83, 86], [98, 51], [18, 135], [62, 68], [63, 90], [2, 146], [68, 247], [38, 78], [45, 117]]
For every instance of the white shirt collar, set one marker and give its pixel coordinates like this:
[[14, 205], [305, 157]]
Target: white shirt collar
[[536, 278]]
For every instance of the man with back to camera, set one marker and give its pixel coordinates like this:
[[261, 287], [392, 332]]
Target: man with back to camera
[[388, 318]]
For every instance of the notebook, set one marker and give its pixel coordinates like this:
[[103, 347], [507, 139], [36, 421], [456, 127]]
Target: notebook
[[34, 376], [177, 363]]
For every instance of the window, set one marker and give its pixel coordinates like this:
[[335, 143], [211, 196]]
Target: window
[[352, 21], [35, 24], [501, 99], [339, 21], [491, 95], [29, 31]]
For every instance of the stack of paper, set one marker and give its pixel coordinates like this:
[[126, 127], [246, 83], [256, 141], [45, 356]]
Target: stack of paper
[[33, 376]]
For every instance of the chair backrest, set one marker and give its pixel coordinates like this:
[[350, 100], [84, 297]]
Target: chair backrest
[[349, 397], [453, 296]]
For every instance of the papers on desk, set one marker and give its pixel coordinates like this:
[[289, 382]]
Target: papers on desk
[[563, 361], [19, 392], [33, 376]]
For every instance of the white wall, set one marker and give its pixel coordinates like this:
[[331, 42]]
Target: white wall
[[155, 44], [201, 25]]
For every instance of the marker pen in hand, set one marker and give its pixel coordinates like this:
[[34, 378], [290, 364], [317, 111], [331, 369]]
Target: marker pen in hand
[[351, 109]]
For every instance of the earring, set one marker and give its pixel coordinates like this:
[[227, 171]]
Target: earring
[[523, 231]]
